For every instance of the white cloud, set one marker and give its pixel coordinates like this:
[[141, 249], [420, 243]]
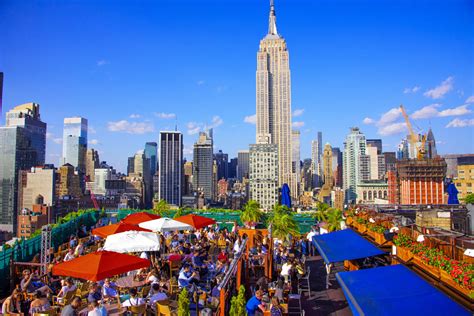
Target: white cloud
[[165, 116], [188, 149], [200, 82], [458, 111], [102, 62], [91, 130], [470, 99], [193, 128], [298, 112], [216, 121], [391, 116], [298, 124], [130, 127], [251, 119], [414, 89], [426, 112], [135, 116], [460, 123], [368, 120], [439, 91], [392, 129], [93, 142]]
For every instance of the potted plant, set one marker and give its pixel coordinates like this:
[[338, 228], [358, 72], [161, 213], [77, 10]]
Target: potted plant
[[251, 214], [426, 258], [283, 223], [237, 304], [403, 245], [458, 275], [183, 303]]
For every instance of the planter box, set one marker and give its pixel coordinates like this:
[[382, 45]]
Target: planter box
[[433, 271], [349, 221], [380, 240], [448, 280], [371, 234], [404, 254], [361, 228]]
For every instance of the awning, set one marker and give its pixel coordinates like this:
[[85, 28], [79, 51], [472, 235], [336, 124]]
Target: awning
[[394, 290], [344, 245]]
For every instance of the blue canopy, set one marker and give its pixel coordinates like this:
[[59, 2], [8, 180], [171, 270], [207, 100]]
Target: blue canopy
[[285, 195], [344, 245], [452, 194], [394, 290]]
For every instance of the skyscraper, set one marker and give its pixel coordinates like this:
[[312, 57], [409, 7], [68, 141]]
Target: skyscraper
[[141, 168], [151, 152], [233, 168], [273, 95], [316, 163], [242, 165], [203, 166], [222, 161], [296, 161], [92, 162], [354, 149], [263, 174], [75, 142], [171, 167], [22, 146]]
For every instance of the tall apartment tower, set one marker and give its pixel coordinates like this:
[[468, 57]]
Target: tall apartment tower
[[263, 174], [171, 167], [222, 161], [22, 146], [141, 168], [337, 166], [151, 153], [296, 161], [75, 142], [316, 163], [92, 163], [242, 165], [203, 166], [273, 98], [354, 150]]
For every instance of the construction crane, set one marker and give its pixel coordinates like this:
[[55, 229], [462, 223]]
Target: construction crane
[[413, 137]]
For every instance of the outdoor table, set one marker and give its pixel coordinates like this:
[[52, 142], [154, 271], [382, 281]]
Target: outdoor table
[[128, 282], [112, 309]]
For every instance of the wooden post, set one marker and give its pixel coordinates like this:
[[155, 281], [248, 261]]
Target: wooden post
[[222, 302], [239, 273]]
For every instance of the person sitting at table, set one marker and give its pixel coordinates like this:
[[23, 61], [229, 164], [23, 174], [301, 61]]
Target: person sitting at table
[[222, 256], [158, 295], [262, 284], [95, 309], [109, 290], [67, 286], [186, 277], [71, 309], [134, 300], [79, 251], [69, 255], [94, 293], [152, 276], [174, 241], [12, 304], [255, 304], [275, 307], [198, 262], [39, 304], [31, 283]]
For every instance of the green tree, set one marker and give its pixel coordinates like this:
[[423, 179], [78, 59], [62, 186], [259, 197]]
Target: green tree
[[160, 207], [183, 303], [469, 199], [333, 219], [283, 223], [251, 212], [180, 212], [237, 304]]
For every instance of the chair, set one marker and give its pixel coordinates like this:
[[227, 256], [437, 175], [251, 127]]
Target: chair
[[138, 309], [174, 266], [174, 286], [222, 244], [297, 309], [83, 290], [303, 283], [145, 290], [163, 309], [65, 300]]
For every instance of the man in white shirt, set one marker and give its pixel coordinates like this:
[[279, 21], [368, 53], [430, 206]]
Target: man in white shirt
[[134, 300], [285, 270], [70, 255], [309, 237]]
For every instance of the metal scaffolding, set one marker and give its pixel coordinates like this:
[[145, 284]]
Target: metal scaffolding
[[45, 246]]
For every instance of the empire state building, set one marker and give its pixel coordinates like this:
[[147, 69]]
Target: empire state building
[[274, 99]]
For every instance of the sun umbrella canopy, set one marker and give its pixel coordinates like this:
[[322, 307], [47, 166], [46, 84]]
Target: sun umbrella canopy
[[196, 221], [99, 265], [285, 195], [132, 241], [108, 230], [137, 218], [165, 224]]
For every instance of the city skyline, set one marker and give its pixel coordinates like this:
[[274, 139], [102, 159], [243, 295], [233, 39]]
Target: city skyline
[[417, 63]]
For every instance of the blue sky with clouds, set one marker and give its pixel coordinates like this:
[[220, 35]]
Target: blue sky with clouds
[[134, 68]]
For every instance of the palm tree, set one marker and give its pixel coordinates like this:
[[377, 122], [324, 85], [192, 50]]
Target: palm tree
[[251, 213], [160, 207], [333, 219], [283, 223]]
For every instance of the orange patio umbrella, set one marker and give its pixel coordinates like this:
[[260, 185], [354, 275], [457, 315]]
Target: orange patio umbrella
[[108, 230], [196, 221], [99, 265], [137, 218]]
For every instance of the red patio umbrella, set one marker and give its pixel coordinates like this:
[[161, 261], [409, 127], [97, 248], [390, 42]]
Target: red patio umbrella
[[196, 221], [108, 230], [99, 265], [137, 218]]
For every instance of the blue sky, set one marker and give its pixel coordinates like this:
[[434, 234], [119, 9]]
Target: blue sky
[[134, 68]]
